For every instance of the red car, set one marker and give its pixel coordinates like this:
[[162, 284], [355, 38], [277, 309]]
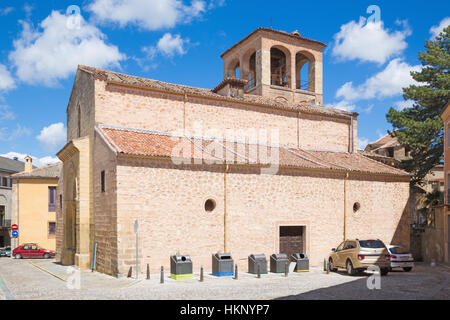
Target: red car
[[32, 250]]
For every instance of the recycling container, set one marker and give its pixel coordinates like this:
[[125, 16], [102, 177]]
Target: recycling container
[[180, 267], [278, 262], [222, 264], [257, 259], [301, 262]]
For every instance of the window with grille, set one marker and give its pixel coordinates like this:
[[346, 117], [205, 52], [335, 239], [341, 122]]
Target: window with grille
[[52, 199]]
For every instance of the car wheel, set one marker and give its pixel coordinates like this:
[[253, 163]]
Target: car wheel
[[331, 266], [384, 271], [46, 256], [407, 269], [350, 269], [18, 256]]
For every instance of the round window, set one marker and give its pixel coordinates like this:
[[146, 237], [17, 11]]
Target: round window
[[210, 205]]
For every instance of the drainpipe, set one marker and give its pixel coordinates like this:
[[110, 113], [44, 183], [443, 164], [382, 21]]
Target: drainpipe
[[345, 205], [225, 236], [351, 134]]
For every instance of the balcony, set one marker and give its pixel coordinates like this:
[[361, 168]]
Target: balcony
[[5, 223]]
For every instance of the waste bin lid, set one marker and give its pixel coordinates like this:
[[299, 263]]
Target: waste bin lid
[[279, 256], [223, 256], [180, 258], [299, 255], [258, 256]]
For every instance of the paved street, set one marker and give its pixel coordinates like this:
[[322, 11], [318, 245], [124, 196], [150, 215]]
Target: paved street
[[44, 279]]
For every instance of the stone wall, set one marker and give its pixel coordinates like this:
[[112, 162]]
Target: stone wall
[[150, 110], [168, 201], [105, 218]]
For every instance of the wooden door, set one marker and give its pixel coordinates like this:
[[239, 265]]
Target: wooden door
[[292, 239]]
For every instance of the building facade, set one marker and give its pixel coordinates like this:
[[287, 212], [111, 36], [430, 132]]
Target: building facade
[[7, 168], [445, 225], [255, 165], [34, 204]]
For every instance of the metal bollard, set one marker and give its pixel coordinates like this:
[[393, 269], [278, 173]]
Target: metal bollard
[[201, 274], [236, 272], [148, 272], [259, 270], [325, 265], [286, 269], [130, 272], [162, 275]]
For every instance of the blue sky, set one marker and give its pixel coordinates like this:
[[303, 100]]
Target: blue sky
[[366, 62]]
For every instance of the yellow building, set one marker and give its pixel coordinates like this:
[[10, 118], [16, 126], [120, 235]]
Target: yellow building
[[34, 205]]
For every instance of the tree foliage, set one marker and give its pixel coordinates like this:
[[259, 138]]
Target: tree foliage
[[420, 127]]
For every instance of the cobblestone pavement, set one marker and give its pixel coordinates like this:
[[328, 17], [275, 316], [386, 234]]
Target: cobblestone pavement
[[45, 279]]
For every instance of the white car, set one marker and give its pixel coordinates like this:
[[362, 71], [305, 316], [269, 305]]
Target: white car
[[401, 258]]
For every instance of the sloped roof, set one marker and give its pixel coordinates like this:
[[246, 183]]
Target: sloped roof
[[50, 171], [124, 79], [134, 142], [385, 141], [11, 165]]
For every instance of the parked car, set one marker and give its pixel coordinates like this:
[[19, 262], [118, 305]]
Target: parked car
[[401, 258], [357, 255], [32, 250], [5, 252]]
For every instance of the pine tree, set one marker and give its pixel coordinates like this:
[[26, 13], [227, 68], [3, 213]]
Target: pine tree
[[420, 127]]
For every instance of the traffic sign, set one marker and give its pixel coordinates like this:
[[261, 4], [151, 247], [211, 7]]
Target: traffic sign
[[14, 227], [15, 233]]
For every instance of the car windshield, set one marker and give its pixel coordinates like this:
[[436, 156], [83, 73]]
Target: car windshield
[[374, 244], [398, 250]]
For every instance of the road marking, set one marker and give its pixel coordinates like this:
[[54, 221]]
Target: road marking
[[8, 294], [48, 271]]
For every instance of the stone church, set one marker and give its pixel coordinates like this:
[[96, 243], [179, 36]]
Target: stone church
[[256, 165]]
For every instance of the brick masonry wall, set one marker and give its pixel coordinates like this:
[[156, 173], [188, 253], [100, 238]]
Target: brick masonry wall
[[150, 110], [321, 132], [105, 203], [169, 202]]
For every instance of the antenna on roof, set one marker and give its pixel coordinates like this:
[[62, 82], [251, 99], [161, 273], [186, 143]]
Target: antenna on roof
[[271, 23]]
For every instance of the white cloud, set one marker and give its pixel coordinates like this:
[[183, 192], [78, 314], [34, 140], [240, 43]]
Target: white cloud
[[403, 104], [170, 44], [37, 162], [343, 105], [6, 134], [386, 83], [436, 30], [6, 80], [6, 113], [53, 136], [6, 11], [147, 14], [368, 42], [53, 51], [362, 143]]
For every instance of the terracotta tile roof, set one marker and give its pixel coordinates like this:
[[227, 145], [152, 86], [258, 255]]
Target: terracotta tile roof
[[11, 165], [385, 141], [50, 171], [120, 78], [144, 143]]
